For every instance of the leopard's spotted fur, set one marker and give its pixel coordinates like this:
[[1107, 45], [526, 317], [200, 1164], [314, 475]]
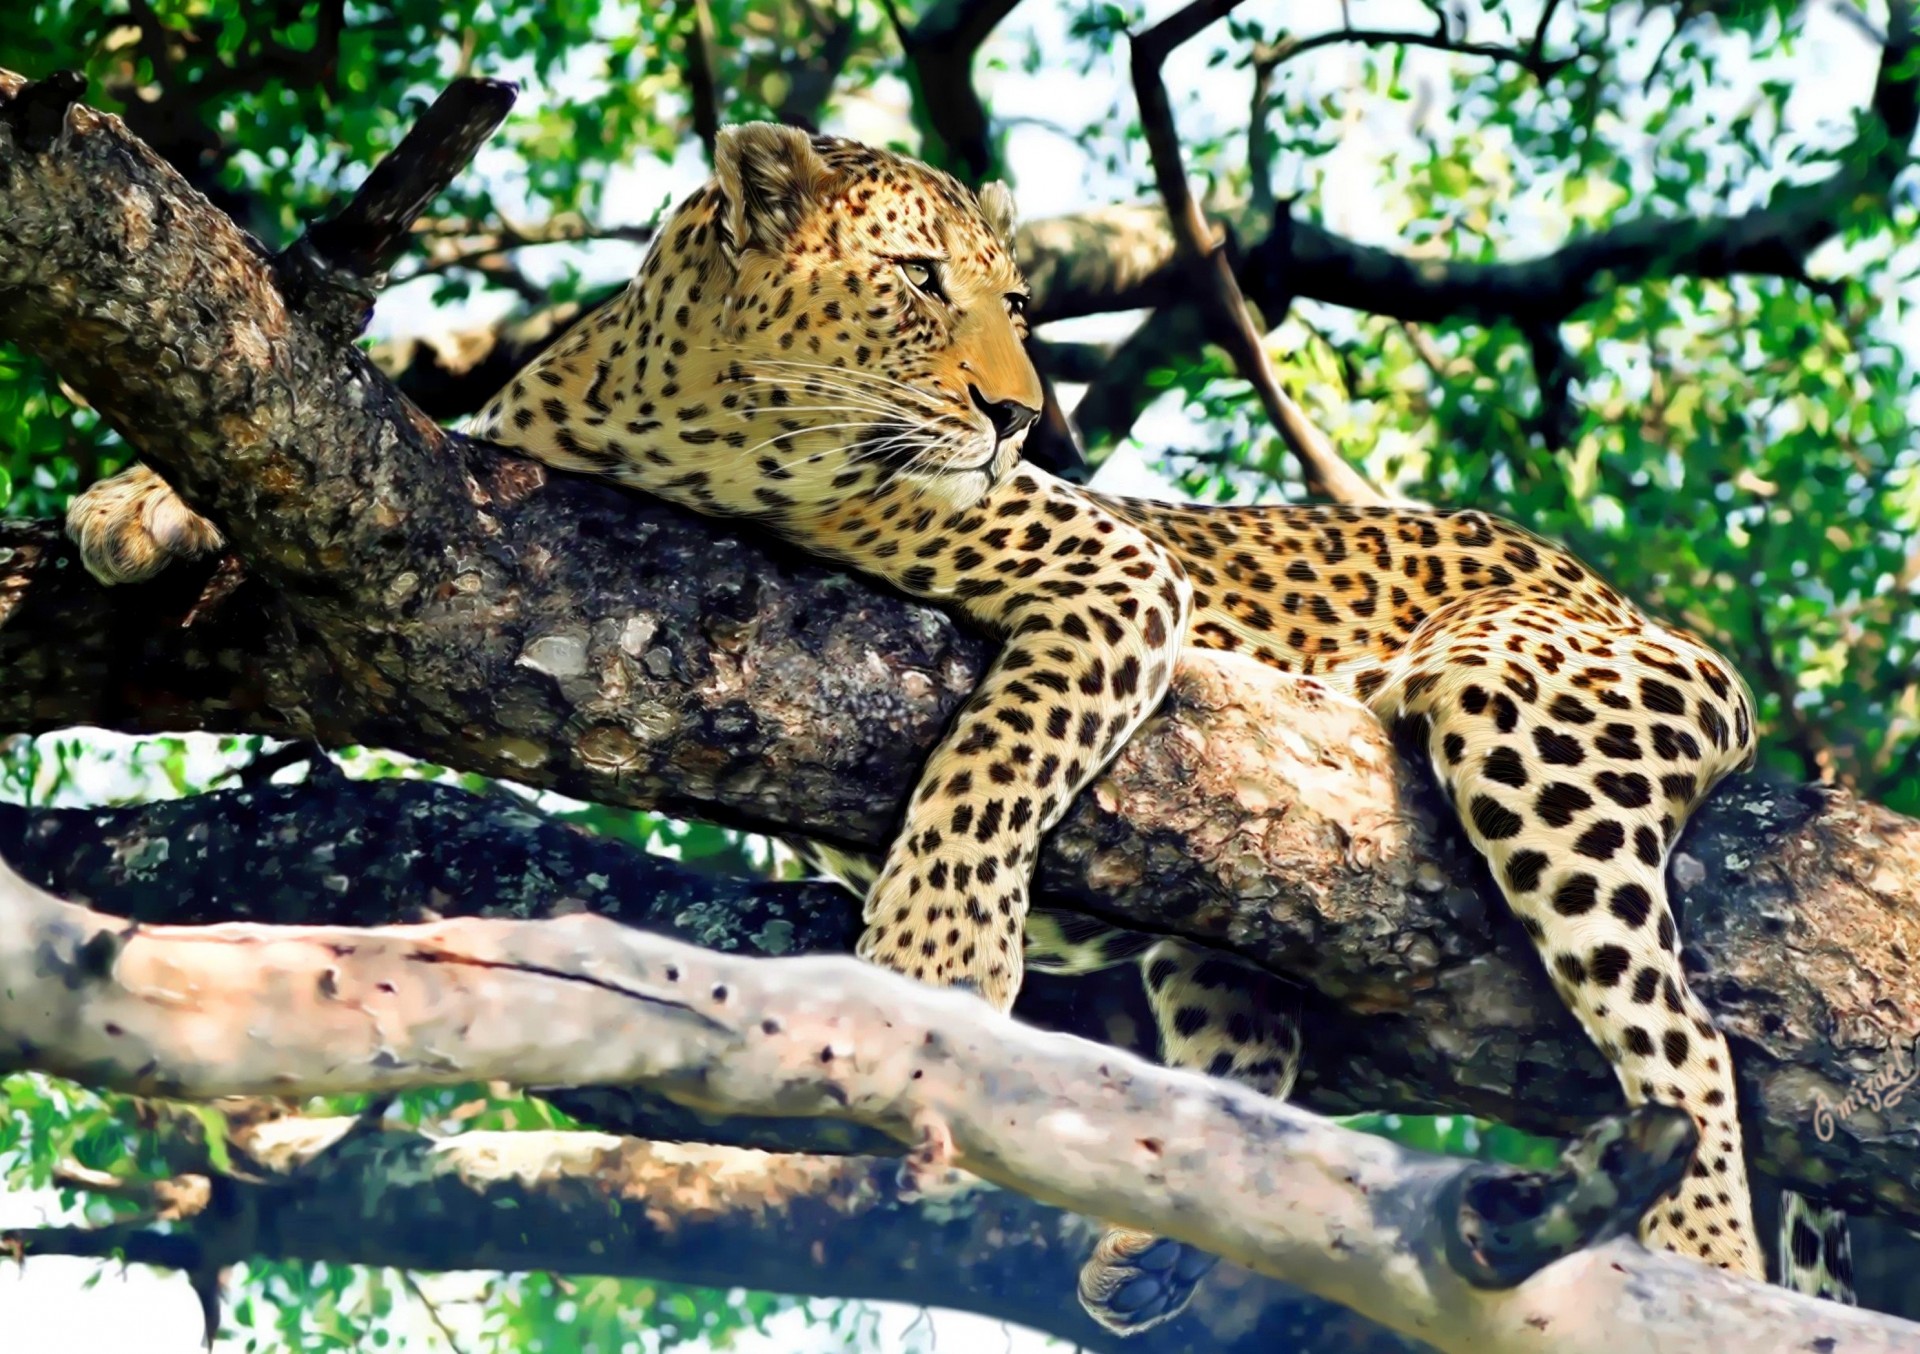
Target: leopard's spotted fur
[[828, 339]]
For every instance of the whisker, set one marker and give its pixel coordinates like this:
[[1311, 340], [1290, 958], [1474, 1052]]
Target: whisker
[[854, 373], [807, 431], [851, 399], [816, 409], [819, 386]]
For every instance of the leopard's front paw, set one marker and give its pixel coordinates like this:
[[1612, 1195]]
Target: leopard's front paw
[[1133, 1281], [128, 528], [951, 924]]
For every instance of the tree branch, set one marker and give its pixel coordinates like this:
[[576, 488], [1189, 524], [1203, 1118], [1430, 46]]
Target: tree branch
[[1322, 468], [589, 1203], [444, 245], [451, 375], [1772, 240], [940, 48], [1171, 335], [813, 75], [1451, 1252], [702, 90], [1531, 59]]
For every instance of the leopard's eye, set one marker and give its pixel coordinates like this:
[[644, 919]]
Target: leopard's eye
[[925, 277], [1017, 303]]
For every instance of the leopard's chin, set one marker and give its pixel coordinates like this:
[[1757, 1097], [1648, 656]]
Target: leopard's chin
[[956, 488]]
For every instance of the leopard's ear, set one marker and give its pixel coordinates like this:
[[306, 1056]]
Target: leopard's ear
[[770, 175], [996, 205]]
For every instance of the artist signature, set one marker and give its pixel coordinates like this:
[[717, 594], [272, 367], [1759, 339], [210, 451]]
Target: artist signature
[[1882, 1088]]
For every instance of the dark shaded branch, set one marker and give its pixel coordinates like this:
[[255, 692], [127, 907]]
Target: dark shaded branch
[[940, 47], [1054, 443], [365, 236], [812, 74], [453, 374], [1771, 240], [74, 653], [1077, 362], [1305, 260], [1554, 368], [703, 92], [806, 1226], [1170, 336]]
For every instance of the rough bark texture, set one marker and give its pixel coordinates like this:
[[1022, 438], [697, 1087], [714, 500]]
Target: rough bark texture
[[409, 590], [587, 1203], [1469, 1027], [1397, 1236]]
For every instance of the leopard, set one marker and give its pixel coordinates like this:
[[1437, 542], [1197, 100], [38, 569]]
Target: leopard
[[828, 341]]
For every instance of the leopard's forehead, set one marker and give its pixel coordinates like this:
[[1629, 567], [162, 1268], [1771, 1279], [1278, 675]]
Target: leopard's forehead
[[893, 202]]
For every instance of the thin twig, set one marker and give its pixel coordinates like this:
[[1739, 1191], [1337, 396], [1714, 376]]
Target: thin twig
[[1286, 49], [1429, 352], [1322, 467], [433, 1309], [454, 243]]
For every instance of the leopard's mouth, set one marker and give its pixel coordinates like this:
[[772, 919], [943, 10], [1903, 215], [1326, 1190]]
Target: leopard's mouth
[[918, 451]]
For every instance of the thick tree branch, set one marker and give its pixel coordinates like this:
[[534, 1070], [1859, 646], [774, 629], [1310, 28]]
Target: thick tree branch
[[1454, 1253], [703, 93], [586, 1203], [940, 47]]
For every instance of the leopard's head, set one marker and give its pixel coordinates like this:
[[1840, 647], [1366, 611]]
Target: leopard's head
[[875, 301], [821, 322]]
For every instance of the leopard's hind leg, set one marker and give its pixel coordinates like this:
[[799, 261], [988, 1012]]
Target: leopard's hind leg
[[1573, 749], [1217, 1015]]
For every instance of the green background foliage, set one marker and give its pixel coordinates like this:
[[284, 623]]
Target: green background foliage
[[1736, 453]]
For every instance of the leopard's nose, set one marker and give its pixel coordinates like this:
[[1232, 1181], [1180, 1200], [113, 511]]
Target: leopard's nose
[[1007, 416]]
